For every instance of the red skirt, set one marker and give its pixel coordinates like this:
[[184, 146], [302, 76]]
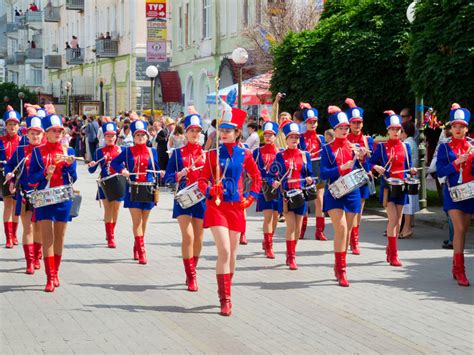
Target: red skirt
[[228, 214]]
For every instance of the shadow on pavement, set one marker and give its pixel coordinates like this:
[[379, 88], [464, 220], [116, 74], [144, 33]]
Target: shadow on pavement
[[170, 309], [133, 287]]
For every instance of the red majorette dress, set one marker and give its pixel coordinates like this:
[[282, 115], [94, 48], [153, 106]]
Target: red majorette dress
[[232, 160]]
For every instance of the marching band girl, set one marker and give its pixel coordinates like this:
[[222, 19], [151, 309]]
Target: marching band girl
[[456, 163], [225, 204], [184, 169], [52, 165], [104, 157], [312, 142], [8, 144], [392, 160], [365, 146], [292, 170], [20, 161], [138, 163], [338, 159], [264, 156]]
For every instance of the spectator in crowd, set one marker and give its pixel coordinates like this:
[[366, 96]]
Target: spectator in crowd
[[125, 137], [17, 13], [33, 44], [160, 142], [92, 131], [329, 135], [74, 43], [211, 135], [67, 45], [177, 139], [253, 141], [413, 206], [107, 36], [33, 7], [407, 116]]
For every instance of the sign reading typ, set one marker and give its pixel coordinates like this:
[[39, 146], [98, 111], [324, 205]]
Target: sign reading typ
[[156, 8]]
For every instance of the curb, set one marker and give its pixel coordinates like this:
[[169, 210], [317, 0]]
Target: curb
[[418, 219]]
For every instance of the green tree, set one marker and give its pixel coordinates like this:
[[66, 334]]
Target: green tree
[[358, 50], [9, 95], [441, 63]]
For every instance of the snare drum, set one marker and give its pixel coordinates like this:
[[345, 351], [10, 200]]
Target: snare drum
[[295, 198], [412, 186], [396, 187], [462, 192], [51, 196], [310, 192], [189, 196], [268, 193], [348, 183], [114, 186], [142, 191]]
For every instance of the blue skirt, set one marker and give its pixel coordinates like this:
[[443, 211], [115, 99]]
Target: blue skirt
[[349, 203], [58, 212], [140, 205], [403, 200], [467, 206], [364, 191], [196, 211], [262, 204], [301, 211]]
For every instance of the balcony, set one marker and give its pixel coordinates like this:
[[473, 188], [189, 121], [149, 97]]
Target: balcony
[[51, 14], [75, 5], [34, 54], [20, 58], [12, 27], [52, 61], [74, 56], [11, 60], [106, 48], [33, 16]]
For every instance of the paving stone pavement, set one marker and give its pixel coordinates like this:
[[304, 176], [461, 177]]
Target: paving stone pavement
[[107, 303]]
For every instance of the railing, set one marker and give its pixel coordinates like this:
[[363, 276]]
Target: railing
[[34, 16], [34, 53], [75, 5], [20, 57], [11, 60], [51, 14], [52, 61], [74, 56], [106, 48], [12, 27]]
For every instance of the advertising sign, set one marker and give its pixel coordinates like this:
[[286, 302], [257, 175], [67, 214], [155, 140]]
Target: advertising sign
[[156, 51], [155, 9]]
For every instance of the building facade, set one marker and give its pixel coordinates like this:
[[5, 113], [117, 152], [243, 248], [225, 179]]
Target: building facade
[[204, 34]]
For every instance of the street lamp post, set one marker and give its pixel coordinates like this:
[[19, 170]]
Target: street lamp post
[[152, 72], [240, 57], [101, 96], [21, 96], [67, 87]]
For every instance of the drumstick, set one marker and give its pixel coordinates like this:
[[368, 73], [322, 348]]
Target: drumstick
[[404, 171], [13, 171], [311, 152], [284, 176], [75, 158]]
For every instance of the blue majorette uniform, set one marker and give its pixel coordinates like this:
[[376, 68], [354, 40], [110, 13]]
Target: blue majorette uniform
[[395, 157], [292, 166], [110, 152], [190, 156], [137, 159], [64, 174], [333, 156], [265, 156], [456, 174]]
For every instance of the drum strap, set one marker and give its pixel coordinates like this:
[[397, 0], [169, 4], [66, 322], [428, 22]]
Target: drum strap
[[406, 155], [152, 158]]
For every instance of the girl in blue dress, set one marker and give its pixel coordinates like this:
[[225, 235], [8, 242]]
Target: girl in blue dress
[[138, 163], [104, 157], [456, 163], [52, 165]]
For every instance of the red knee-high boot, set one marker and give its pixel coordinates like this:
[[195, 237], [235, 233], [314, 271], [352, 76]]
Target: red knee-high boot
[[135, 249], [340, 268], [392, 252], [320, 224], [50, 270], [303, 227], [38, 247], [355, 240], [190, 270], [223, 289], [243, 237], [459, 273], [29, 250], [14, 230], [109, 232], [140, 242], [268, 241], [7, 226], [290, 254], [57, 262]]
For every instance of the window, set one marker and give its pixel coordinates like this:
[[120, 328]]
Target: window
[[206, 19], [37, 77], [232, 19], [186, 26], [245, 13], [223, 18], [258, 12], [180, 27]]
